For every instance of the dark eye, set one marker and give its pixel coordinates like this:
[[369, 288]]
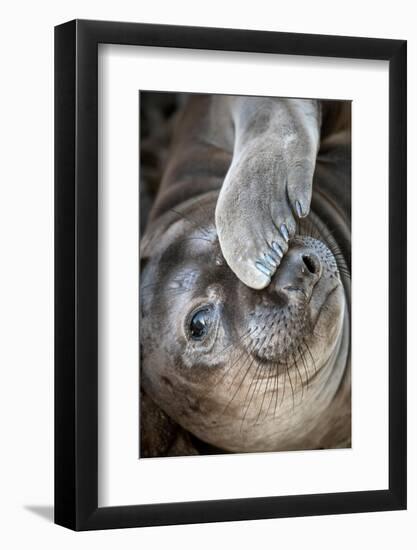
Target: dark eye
[[200, 323]]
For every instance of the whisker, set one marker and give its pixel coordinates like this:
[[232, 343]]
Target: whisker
[[254, 384], [247, 358], [254, 380], [260, 385], [228, 369], [252, 359], [273, 392], [299, 374], [263, 398], [305, 364], [292, 388], [276, 395], [241, 338], [283, 391], [311, 356]]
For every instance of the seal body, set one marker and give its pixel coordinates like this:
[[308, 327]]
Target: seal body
[[238, 368]]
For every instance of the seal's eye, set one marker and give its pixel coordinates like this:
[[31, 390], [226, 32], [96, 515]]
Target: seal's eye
[[200, 323]]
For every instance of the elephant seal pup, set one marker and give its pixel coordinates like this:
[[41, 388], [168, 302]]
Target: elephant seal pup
[[242, 361]]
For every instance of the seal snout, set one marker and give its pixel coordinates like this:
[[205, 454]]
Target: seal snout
[[300, 270]]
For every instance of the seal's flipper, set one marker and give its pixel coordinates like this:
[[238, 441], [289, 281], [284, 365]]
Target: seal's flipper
[[268, 186]]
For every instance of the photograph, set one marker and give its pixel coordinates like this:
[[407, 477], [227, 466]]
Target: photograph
[[245, 274], [209, 275]]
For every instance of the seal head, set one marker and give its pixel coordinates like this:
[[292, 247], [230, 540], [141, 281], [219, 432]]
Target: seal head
[[244, 370]]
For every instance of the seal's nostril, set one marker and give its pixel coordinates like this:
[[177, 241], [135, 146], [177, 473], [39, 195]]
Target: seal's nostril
[[310, 264]]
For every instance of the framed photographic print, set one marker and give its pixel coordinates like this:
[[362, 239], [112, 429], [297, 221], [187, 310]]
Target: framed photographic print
[[230, 251]]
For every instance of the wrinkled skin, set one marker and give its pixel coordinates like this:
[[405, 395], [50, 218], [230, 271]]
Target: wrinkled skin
[[271, 370]]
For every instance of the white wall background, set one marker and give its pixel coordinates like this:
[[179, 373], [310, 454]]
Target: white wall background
[[26, 277]]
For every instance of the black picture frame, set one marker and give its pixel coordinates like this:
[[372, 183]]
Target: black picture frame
[[76, 271]]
